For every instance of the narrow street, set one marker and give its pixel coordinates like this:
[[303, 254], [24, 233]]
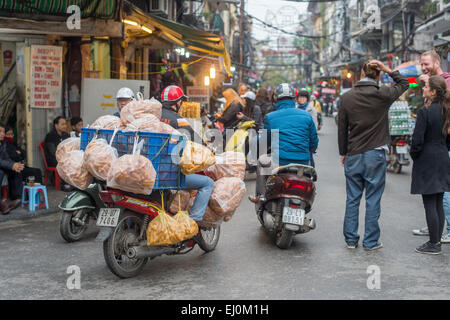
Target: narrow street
[[246, 264]]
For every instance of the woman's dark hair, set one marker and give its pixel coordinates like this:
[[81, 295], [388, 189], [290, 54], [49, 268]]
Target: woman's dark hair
[[439, 84], [262, 96], [7, 128], [371, 70], [249, 107]]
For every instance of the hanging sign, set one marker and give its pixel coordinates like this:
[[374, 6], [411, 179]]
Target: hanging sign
[[46, 77]]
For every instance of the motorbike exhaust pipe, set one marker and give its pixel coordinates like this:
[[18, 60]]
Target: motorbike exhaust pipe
[[141, 252]]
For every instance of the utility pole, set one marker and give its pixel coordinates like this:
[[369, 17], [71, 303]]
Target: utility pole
[[241, 40]]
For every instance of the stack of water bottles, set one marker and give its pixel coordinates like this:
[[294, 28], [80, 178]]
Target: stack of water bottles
[[400, 120]]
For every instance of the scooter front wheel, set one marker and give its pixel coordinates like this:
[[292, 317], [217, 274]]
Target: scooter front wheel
[[69, 229]]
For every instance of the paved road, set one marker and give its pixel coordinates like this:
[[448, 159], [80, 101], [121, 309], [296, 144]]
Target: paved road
[[246, 264]]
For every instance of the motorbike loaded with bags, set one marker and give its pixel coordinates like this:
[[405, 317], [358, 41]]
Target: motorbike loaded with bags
[[142, 175]]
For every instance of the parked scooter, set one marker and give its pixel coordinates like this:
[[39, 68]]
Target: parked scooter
[[123, 227], [398, 152], [289, 195], [78, 207]]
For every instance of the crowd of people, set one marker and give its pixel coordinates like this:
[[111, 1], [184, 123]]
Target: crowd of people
[[363, 140]]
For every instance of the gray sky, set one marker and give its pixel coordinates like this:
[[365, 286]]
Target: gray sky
[[282, 14]]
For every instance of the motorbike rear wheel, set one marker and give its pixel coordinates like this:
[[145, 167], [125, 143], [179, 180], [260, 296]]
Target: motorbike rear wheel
[[68, 229], [209, 237], [125, 235], [283, 239]]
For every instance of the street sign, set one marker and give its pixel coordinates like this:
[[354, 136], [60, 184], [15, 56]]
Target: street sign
[[198, 94]]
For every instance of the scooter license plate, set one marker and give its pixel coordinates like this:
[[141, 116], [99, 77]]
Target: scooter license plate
[[108, 217], [293, 216], [402, 149]]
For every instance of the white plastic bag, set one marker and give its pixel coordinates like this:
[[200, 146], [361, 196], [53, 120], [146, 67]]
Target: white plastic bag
[[139, 108], [227, 195], [107, 122], [132, 173], [72, 170], [98, 157], [228, 164], [66, 146]]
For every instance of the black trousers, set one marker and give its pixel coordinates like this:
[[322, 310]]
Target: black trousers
[[15, 184], [434, 212]]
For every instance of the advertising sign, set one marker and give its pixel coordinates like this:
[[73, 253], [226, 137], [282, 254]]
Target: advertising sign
[[46, 77]]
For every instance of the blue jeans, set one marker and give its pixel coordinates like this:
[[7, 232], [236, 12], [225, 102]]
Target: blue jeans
[[447, 210], [205, 187], [364, 171]]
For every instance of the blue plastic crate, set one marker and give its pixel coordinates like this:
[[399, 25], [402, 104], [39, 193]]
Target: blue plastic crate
[[158, 147]]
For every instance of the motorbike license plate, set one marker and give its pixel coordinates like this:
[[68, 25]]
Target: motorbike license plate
[[108, 217], [293, 216], [402, 149]]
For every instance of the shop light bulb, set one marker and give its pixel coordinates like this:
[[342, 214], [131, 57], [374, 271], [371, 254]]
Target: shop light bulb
[[206, 81], [146, 29], [187, 54], [212, 73], [133, 23]]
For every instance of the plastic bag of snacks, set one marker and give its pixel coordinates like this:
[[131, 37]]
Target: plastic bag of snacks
[[228, 164], [147, 123], [166, 128], [196, 158], [72, 170], [181, 204], [189, 225], [164, 230], [66, 146], [107, 122], [139, 108], [132, 173], [211, 218], [227, 195], [98, 157]]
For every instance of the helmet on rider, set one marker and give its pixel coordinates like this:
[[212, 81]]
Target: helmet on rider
[[123, 96], [173, 96], [303, 93], [284, 91]]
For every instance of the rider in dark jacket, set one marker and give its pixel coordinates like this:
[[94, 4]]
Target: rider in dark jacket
[[172, 98]]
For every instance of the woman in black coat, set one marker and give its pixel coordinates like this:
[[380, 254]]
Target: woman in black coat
[[431, 167]]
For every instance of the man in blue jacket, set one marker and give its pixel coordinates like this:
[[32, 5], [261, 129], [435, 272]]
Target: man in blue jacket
[[297, 133]]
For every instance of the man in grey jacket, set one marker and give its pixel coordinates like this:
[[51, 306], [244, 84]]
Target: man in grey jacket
[[363, 135]]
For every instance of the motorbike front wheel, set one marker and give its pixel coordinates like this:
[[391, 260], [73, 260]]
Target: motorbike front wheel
[[71, 231], [125, 235]]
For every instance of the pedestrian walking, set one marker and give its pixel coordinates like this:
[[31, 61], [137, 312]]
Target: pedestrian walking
[[431, 166], [363, 137]]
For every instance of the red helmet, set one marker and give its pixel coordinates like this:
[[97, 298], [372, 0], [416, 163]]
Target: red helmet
[[172, 94]]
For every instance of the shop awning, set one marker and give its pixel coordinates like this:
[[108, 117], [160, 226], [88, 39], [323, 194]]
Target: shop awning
[[102, 9], [179, 34]]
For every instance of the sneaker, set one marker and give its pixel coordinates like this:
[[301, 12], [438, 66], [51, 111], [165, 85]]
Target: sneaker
[[429, 248], [375, 247], [421, 232], [352, 246], [445, 238]]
